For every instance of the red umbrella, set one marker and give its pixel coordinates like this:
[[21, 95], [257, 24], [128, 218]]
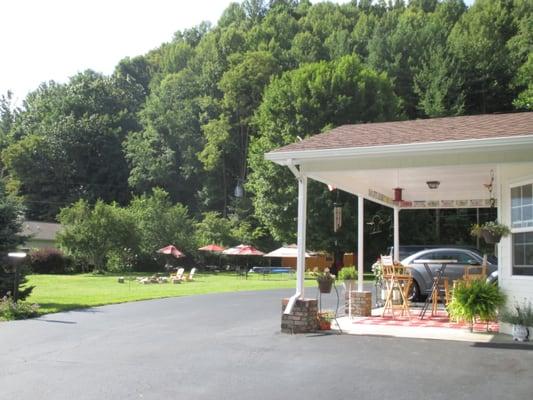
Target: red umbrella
[[243, 250], [171, 250], [213, 248]]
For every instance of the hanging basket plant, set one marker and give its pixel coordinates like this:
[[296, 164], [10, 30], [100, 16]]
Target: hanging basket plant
[[491, 231], [325, 280]]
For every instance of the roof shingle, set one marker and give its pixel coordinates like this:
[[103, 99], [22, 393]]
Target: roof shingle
[[484, 126]]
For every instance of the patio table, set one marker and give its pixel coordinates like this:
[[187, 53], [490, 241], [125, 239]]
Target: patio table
[[436, 278]]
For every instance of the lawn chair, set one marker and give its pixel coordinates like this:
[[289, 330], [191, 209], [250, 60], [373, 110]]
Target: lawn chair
[[190, 275], [178, 277]]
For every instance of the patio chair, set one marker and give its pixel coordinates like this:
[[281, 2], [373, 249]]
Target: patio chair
[[474, 272], [397, 278], [178, 277], [190, 275]]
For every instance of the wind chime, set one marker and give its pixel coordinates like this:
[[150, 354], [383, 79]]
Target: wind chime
[[490, 188]]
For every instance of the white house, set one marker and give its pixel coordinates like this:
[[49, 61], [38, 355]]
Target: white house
[[478, 161]]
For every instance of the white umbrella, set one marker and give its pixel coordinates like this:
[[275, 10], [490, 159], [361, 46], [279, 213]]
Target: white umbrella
[[290, 251]]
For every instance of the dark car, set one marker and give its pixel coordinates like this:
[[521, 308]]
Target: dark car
[[422, 280]]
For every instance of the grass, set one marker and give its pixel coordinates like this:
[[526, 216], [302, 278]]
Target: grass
[[55, 293]]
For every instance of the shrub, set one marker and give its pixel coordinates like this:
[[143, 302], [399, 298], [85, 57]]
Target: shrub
[[49, 261], [348, 273], [7, 281], [10, 310]]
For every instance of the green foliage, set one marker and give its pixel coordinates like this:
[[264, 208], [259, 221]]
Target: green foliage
[[491, 226], [10, 310], [213, 228], [298, 104], [158, 222], [348, 273], [520, 314], [90, 233], [475, 299]]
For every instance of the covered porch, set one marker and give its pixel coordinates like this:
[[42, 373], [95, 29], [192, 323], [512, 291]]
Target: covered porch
[[460, 162]]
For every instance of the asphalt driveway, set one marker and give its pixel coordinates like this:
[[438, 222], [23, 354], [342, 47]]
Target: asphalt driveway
[[228, 346]]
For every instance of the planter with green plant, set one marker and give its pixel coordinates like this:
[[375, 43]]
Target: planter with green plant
[[324, 320], [475, 300], [491, 231], [325, 280], [521, 317], [349, 276]]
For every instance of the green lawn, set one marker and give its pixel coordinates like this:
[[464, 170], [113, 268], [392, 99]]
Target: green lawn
[[56, 293]]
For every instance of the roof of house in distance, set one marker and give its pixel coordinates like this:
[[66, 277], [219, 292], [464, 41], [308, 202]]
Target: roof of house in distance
[[40, 230], [486, 126]]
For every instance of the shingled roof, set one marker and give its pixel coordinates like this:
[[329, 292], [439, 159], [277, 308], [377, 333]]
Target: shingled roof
[[487, 126]]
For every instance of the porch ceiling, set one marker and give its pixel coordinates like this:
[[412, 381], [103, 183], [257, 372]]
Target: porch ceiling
[[460, 186]]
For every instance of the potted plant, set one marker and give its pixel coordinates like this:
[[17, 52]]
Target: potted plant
[[381, 292], [476, 299], [348, 275], [325, 280], [324, 320], [490, 231], [521, 317]]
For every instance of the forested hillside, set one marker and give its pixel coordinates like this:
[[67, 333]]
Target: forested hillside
[[195, 116]]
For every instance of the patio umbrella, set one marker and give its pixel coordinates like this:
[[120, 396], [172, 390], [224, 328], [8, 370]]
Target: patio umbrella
[[171, 250], [290, 251], [213, 248], [243, 250]]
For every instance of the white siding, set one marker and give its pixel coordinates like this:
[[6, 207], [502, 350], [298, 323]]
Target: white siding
[[517, 288]]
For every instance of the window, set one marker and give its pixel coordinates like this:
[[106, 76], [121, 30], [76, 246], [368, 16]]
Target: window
[[522, 229]]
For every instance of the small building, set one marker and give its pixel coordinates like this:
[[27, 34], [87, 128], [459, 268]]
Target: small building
[[40, 234]]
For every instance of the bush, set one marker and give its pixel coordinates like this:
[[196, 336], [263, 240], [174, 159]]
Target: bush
[[10, 310], [7, 281], [348, 273], [50, 261]]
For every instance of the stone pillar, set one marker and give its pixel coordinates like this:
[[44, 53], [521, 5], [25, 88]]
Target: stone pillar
[[361, 304], [302, 319]]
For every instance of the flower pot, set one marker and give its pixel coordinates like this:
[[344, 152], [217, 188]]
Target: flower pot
[[325, 286], [490, 237], [520, 333], [349, 285], [324, 325]]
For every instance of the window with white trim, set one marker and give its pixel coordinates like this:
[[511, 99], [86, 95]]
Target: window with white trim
[[522, 229]]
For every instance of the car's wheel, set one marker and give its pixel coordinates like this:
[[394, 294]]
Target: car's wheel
[[414, 292]]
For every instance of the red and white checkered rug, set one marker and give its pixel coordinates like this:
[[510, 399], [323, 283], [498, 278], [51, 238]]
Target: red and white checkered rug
[[440, 320]]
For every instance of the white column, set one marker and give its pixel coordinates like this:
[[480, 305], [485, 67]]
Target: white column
[[396, 234], [360, 242], [302, 222]]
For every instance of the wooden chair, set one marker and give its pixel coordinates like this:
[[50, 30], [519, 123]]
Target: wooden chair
[[178, 277], [190, 275], [397, 278]]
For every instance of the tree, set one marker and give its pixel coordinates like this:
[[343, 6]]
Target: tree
[[68, 142], [91, 234], [298, 104], [159, 223], [11, 216]]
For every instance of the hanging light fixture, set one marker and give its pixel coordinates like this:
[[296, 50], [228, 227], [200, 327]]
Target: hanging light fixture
[[433, 184], [239, 190]]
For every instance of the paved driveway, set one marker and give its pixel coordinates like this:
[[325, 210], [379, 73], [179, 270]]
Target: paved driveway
[[228, 346]]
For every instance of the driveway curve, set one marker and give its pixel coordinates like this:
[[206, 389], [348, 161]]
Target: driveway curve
[[229, 346]]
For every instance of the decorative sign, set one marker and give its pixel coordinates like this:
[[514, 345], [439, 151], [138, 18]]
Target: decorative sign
[[473, 203]]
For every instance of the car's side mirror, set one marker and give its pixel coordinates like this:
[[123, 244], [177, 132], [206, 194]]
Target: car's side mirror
[[473, 262]]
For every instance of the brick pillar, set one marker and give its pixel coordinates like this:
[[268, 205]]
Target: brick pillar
[[303, 318], [361, 304]]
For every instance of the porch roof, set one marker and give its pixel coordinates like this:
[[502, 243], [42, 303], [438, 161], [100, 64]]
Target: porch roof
[[461, 153], [474, 127]]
